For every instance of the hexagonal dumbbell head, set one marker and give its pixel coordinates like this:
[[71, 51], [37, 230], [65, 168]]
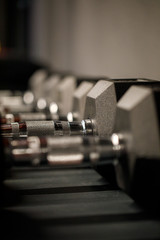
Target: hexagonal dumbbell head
[[79, 99], [137, 121], [101, 107], [50, 88], [65, 94], [36, 81]]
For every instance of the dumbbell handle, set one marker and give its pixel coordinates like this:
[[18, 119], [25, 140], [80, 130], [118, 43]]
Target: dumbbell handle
[[29, 116], [48, 128], [69, 150]]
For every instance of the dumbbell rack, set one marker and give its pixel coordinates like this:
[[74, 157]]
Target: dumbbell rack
[[73, 203]]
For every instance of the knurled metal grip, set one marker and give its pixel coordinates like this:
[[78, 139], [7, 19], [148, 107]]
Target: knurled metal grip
[[15, 129], [40, 128]]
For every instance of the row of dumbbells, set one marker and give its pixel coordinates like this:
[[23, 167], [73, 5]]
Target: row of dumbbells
[[53, 98], [120, 127]]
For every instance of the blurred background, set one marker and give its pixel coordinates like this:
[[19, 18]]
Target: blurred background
[[115, 38]]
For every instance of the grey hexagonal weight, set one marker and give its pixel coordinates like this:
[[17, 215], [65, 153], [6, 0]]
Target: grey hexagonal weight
[[66, 90], [136, 114], [137, 121], [36, 82], [101, 107], [79, 99], [50, 88]]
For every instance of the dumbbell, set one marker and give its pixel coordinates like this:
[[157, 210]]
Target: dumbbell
[[98, 118], [70, 99], [14, 104], [78, 102], [134, 98], [133, 148], [52, 92], [43, 90], [55, 92], [63, 93], [23, 102]]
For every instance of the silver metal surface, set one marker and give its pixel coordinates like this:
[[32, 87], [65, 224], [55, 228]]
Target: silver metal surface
[[64, 143], [61, 128], [11, 101], [65, 159], [32, 116], [91, 150], [21, 108], [88, 128], [34, 142]]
